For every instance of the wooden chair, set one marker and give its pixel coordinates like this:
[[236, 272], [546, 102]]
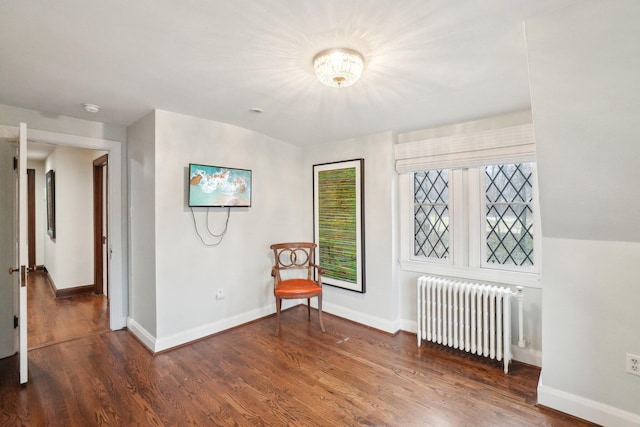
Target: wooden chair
[[293, 276]]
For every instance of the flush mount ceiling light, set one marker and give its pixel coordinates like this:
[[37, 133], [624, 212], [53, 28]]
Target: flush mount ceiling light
[[340, 67], [91, 108]]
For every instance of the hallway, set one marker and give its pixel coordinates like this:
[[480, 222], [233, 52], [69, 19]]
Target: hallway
[[55, 320]]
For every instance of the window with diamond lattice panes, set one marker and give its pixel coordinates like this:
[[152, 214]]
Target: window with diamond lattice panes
[[509, 214], [431, 214]]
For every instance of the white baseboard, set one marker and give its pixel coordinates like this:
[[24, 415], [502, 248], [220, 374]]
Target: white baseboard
[[165, 343], [142, 334], [587, 409], [194, 334], [525, 355], [175, 340], [389, 326], [409, 326], [529, 356]]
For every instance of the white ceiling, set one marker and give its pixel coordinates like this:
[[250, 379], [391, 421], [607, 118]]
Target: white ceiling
[[428, 62], [39, 150]]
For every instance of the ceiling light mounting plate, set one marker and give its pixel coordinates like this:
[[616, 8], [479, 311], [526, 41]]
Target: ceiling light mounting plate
[[91, 108]]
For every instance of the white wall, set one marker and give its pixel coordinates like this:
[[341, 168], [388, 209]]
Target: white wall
[[187, 274], [142, 220], [69, 257], [378, 307], [590, 315], [584, 68]]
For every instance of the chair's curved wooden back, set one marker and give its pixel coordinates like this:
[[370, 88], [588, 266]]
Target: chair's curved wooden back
[[294, 256]]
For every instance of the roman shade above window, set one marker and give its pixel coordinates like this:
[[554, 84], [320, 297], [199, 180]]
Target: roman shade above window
[[512, 144]]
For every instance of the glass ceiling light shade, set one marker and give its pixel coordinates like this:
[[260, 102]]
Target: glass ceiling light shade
[[338, 67]]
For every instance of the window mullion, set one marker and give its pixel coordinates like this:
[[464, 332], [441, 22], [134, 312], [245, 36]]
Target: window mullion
[[459, 215], [476, 217]]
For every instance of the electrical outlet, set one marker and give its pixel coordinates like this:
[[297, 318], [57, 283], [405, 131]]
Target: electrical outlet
[[220, 293], [633, 364]]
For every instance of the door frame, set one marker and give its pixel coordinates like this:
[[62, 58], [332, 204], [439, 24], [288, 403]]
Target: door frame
[[119, 295], [31, 216], [100, 166]]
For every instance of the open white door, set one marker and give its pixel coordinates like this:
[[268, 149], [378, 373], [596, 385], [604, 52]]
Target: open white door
[[22, 253]]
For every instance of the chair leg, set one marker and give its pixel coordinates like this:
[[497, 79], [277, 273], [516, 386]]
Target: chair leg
[[320, 312], [309, 309], [278, 306]]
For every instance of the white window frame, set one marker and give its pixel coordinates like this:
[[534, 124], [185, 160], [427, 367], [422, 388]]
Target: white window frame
[[467, 239], [537, 235], [452, 233], [465, 148]]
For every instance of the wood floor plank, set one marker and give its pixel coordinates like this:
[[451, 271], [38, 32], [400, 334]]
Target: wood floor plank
[[351, 375], [53, 320]]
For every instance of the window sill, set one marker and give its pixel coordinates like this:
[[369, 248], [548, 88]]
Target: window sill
[[528, 280]]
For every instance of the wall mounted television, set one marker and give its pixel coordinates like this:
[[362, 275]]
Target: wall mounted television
[[218, 187]]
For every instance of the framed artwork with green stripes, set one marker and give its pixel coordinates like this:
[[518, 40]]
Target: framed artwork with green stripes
[[338, 218]]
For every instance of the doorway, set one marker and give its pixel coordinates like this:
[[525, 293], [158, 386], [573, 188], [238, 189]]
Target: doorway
[[118, 287], [61, 305]]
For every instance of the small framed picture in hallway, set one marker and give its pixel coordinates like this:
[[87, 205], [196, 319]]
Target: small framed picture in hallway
[[51, 203]]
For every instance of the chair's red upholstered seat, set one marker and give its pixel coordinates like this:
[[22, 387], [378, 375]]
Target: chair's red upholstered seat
[[297, 287]]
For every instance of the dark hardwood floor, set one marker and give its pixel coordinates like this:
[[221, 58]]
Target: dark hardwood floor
[[350, 375], [54, 320]]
